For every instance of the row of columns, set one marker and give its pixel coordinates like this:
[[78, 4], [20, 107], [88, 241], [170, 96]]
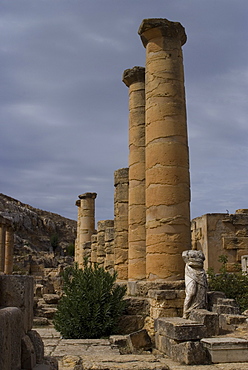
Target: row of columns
[[6, 246], [152, 196]]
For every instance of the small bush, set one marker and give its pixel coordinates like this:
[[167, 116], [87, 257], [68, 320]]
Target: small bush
[[70, 250], [91, 305], [234, 285], [54, 240]]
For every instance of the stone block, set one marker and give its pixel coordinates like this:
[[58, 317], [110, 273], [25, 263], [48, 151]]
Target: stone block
[[28, 357], [140, 340], [18, 291], [40, 321], [213, 297], [235, 319], [122, 342], [141, 288], [229, 323], [37, 344], [51, 298], [225, 309], [179, 329], [207, 318], [156, 312], [162, 294], [226, 349], [10, 338], [137, 306], [130, 323], [188, 352]]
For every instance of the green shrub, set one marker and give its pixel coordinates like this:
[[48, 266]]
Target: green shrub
[[234, 285], [91, 304], [70, 249], [54, 240]]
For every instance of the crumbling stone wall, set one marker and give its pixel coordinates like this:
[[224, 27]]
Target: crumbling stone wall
[[221, 233]]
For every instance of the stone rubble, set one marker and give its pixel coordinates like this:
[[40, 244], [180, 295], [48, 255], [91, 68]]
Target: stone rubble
[[101, 354]]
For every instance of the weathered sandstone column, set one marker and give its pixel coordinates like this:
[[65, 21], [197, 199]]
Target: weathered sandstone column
[[121, 223], [9, 251], [167, 162], [2, 246], [93, 257], [135, 79], [86, 220], [109, 247], [101, 243], [76, 253]]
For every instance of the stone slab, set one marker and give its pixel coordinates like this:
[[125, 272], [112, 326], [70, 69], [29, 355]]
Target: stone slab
[[179, 329], [162, 294], [207, 318], [188, 352], [226, 349]]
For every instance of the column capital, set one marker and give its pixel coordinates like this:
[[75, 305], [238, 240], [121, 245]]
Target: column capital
[[78, 203], [161, 27], [87, 195], [135, 74]]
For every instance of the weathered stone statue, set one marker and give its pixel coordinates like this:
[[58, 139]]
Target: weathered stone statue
[[195, 282]]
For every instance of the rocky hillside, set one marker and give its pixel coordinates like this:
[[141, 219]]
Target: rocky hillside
[[34, 227]]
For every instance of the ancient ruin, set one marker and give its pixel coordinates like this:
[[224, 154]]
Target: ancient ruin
[[151, 230], [222, 233], [144, 243], [152, 220]]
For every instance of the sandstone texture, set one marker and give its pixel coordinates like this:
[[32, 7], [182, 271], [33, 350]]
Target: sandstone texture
[[167, 162]]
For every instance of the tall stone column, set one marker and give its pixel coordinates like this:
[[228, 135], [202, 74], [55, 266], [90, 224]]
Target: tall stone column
[[2, 247], [76, 253], [134, 79], [86, 220], [9, 251], [167, 158], [121, 223]]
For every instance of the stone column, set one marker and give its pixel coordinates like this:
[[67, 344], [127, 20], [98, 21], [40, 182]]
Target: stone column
[[76, 254], [101, 243], [135, 79], [121, 223], [109, 247], [167, 158], [9, 251], [2, 247], [94, 248], [86, 220]]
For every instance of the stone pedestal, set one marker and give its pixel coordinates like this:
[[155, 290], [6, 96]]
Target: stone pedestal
[[167, 158], [180, 339], [135, 79]]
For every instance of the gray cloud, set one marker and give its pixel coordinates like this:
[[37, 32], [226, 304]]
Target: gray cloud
[[64, 109]]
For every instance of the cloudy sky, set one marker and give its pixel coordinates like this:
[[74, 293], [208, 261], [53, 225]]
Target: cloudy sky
[[64, 108]]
